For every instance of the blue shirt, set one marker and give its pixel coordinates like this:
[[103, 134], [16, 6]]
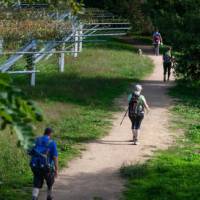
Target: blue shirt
[[51, 145]]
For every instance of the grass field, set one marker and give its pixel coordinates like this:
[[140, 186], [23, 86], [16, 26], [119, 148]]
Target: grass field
[[172, 174], [77, 104]]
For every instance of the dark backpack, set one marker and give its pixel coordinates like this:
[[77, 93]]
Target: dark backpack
[[156, 39], [167, 58], [40, 154], [134, 109]]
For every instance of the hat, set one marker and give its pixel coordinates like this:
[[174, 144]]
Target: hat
[[138, 88]]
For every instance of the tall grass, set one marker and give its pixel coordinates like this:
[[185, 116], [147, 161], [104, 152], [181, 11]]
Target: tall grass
[[172, 174], [78, 104]]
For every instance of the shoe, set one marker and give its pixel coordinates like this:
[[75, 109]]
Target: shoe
[[135, 143], [34, 198], [49, 198]]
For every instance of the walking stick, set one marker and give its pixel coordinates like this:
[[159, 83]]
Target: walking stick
[[124, 117]]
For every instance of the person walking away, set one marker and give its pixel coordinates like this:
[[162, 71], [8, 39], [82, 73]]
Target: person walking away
[[136, 110], [157, 41], [167, 64], [44, 163]]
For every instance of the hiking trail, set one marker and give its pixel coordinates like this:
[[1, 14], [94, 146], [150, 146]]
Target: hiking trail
[[95, 175]]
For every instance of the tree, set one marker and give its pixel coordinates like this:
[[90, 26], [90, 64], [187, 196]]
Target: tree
[[17, 112], [179, 23]]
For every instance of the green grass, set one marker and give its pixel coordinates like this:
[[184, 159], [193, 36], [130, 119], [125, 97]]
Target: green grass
[[78, 104], [172, 174]]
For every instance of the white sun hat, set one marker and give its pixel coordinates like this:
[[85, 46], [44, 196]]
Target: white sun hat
[[137, 89]]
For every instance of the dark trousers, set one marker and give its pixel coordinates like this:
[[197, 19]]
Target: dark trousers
[[136, 121], [39, 175], [167, 69], [156, 49]]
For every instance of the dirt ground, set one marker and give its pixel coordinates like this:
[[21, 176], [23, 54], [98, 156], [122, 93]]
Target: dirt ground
[[95, 175]]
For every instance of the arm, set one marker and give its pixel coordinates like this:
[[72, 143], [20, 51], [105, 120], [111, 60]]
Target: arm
[[161, 40], [146, 106], [55, 159]]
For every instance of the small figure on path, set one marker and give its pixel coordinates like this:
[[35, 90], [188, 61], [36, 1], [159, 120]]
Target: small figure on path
[[167, 63], [157, 41], [140, 52], [136, 110], [44, 163]]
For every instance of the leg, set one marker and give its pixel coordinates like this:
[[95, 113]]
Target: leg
[[138, 124], [169, 70], [156, 48], [165, 71], [133, 120], [38, 180], [50, 178]]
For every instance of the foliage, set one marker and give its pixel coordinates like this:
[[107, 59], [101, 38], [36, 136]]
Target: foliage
[[17, 112], [172, 174], [179, 22], [130, 9], [12, 31]]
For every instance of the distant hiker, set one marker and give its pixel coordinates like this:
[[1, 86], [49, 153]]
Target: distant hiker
[[136, 110], [157, 41], [167, 64], [140, 52], [44, 163]]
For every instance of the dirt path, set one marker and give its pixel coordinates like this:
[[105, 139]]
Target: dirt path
[[96, 173]]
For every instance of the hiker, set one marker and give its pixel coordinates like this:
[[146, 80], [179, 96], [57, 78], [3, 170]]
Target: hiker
[[136, 110], [157, 41], [167, 63], [44, 163]]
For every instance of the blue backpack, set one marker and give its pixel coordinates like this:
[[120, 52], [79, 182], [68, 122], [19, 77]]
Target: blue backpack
[[40, 158]]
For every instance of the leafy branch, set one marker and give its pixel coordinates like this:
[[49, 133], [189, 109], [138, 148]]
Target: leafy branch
[[17, 112]]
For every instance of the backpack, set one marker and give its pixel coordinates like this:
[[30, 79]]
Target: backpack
[[167, 58], [134, 107], [40, 154], [156, 39]]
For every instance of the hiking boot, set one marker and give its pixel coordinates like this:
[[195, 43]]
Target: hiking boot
[[49, 198], [135, 142]]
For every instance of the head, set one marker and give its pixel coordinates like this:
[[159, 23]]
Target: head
[[137, 89], [48, 132], [169, 48]]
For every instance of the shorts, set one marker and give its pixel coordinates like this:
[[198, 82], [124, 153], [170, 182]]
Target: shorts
[[136, 121], [39, 175]]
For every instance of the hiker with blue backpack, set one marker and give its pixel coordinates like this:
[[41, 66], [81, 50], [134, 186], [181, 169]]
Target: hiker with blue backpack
[[44, 164], [157, 41], [167, 63], [136, 110]]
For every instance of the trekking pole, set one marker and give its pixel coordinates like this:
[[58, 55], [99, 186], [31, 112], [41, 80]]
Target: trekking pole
[[124, 117]]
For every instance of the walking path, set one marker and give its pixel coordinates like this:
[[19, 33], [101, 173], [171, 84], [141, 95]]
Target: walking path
[[96, 172]]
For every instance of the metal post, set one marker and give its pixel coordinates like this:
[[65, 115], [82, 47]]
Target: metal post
[[1, 45], [80, 38], [62, 59], [33, 75], [76, 36]]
